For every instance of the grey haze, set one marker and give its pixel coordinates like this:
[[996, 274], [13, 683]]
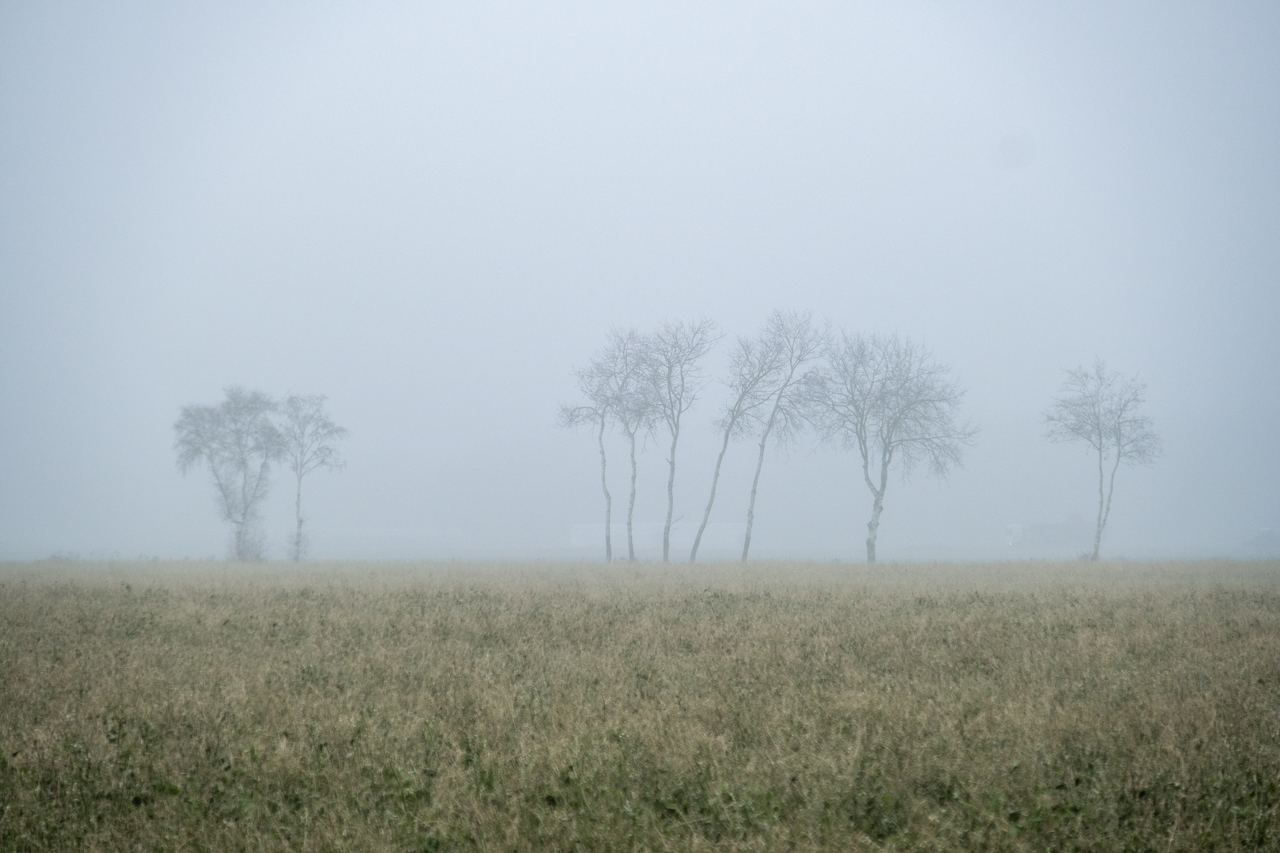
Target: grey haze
[[433, 214]]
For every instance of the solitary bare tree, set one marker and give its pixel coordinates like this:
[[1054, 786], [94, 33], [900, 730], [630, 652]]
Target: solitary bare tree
[[796, 343], [310, 439], [673, 379], [1101, 409], [238, 441], [889, 399]]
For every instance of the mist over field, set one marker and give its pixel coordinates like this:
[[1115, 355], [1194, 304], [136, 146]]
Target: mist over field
[[434, 214]]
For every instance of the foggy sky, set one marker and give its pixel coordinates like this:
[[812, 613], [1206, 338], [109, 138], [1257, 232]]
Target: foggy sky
[[433, 213]]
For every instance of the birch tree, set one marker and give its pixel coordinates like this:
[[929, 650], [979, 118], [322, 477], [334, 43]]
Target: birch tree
[[795, 344], [1100, 408], [887, 398], [594, 384], [238, 441], [762, 376], [673, 374], [631, 407], [614, 388], [310, 442]]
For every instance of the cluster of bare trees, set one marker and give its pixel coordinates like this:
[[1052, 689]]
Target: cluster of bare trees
[[885, 397], [240, 438]]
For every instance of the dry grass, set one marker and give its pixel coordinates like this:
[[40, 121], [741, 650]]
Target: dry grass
[[784, 707]]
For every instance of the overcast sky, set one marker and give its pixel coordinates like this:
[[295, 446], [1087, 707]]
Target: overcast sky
[[433, 213]]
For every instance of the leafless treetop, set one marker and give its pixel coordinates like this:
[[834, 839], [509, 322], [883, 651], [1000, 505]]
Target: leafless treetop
[[887, 397], [673, 360], [793, 341], [1101, 408]]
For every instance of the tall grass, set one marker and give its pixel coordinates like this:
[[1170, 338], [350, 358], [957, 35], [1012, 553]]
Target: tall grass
[[785, 706]]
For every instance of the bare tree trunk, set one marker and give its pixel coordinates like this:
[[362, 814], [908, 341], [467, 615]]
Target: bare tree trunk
[[873, 526], [631, 504], [671, 497], [608, 499], [1105, 511], [1111, 487], [242, 531], [751, 504], [297, 536], [755, 482], [249, 544], [1097, 534], [715, 478]]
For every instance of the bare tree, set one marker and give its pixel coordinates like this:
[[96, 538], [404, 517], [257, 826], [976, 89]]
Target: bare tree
[[673, 379], [631, 408], [889, 399], [310, 439], [759, 371], [612, 385], [593, 382], [238, 442], [1101, 409], [796, 343]]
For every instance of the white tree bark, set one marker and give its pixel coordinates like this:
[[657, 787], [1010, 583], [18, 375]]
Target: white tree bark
[[297, 509], [608, 499], [751, 503], [631, 502], [671, 492], [238, 441], [877, 504], [706, 514]]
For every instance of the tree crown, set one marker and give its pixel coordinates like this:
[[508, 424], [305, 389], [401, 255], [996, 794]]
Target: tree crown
[[1100, 407], [309, 435], [887, 397]]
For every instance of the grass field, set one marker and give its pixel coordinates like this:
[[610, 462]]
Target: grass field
[[1016, 706]]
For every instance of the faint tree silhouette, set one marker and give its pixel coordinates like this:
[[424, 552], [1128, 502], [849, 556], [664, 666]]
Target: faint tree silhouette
[[612, 385], [887, 398], [1100, 408], [796, 343], [238, 441], [673, 374], [310, 440]]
